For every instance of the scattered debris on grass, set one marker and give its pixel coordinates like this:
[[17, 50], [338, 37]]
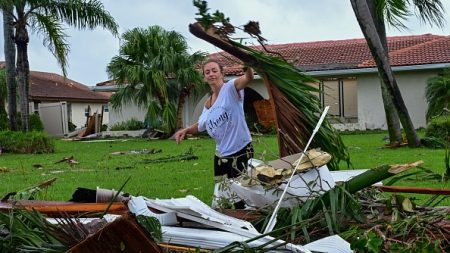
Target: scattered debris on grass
[[187, 156], [70, 160], [4, 169], [137, 152]]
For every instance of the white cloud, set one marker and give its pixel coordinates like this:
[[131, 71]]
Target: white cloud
[[281, 21]]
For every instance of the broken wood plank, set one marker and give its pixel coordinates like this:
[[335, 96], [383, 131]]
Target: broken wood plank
[[120, 236], [52, 208]]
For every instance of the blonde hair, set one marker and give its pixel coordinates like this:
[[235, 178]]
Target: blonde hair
[[209, 61]]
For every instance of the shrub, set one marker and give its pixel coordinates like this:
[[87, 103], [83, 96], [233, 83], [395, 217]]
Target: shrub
[[34, 122], [26, 143], [4, 121], [71, 126], [438, 128], [132, 124]]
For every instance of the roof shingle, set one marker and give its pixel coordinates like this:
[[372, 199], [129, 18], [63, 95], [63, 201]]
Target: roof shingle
[[53, 87], [351, 53]]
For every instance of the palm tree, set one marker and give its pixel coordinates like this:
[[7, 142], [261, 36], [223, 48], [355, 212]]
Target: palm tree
[[437, 94], [10, 59], [46, 17], [2, 91], [392, 120], [154, 70], [371, 15]]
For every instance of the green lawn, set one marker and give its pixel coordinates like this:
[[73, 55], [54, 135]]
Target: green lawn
[[98, 167]]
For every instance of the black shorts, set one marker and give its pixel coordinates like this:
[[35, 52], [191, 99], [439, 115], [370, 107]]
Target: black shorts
[[234, 164]]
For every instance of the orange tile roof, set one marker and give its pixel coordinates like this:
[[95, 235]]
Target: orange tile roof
[[351, 53], [53, 87]]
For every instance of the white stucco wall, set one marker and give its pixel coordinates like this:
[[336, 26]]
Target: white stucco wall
[[78, 113], [412, 86], [127, 112]]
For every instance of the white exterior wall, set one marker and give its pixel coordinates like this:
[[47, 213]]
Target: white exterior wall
[[412, 87], [127, 112], [78, 113], [370, 103]]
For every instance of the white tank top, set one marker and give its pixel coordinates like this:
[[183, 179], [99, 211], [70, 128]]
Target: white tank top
[[225, 121]]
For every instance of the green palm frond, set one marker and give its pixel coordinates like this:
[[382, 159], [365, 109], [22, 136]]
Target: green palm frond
[[168, 117], [153, 114], [395, 12], [437, 94], [297, 108], [80, 14], [54, 37], [430, 11], [156, 63], [29, 232]]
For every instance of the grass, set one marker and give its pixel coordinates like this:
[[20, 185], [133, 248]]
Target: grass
[[98, 167]]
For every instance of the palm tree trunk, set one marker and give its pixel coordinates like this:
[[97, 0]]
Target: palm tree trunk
[[367, 25], [10, 59], [180, 106], [392, 121], [22, 71]]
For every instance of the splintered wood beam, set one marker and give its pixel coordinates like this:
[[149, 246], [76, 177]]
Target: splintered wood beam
[[55, 208]]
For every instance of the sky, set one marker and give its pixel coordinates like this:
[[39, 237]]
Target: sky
[[281, 21]]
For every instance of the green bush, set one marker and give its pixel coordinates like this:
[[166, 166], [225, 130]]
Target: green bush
[[34, 122], [71, 126], [132, 124], [26, 143], [438, 128], [4, 121]]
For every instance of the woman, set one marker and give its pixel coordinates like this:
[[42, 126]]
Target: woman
[[223, 118]]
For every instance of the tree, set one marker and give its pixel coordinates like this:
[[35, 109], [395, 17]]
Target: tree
[[392, 121], [371, 15], [2, 91], [154, 70], [437, 94], [10, 59], [3, 94], [46, 17]]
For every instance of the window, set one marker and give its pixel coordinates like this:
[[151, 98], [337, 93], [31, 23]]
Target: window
[[341, 96]]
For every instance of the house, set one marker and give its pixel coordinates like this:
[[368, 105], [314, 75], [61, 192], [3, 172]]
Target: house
[[127, 112], [347, 76], [47, 89]]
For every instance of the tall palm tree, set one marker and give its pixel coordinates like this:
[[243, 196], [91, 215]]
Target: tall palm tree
[[10, 69], [392, 120], [368, 13], [47, 17], [154, 70], [437, 94], [3, 92]]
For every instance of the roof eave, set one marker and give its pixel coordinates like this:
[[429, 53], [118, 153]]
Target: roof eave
[[359, 71], [110, 88], [82, 100]]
